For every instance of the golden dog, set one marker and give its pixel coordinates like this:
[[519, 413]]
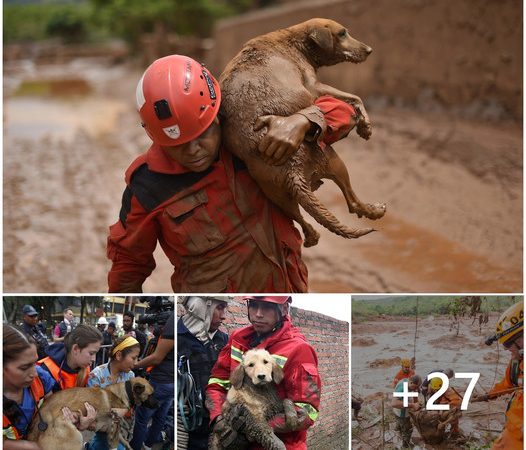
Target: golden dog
[[54, 432], [254, 387]]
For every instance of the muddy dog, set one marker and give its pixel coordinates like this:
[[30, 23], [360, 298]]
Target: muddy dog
[[254, 388], [52, 431], [276, 74]]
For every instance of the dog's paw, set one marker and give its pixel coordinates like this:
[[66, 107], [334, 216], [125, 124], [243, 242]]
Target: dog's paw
[[375, 211], [364, 129]]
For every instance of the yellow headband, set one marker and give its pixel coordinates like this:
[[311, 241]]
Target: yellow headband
[[128, 342]]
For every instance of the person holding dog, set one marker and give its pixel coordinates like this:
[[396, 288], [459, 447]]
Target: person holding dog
[[25, 386], [69, 362], [199, 341], [123, 357], [271, 329], [197, 200]]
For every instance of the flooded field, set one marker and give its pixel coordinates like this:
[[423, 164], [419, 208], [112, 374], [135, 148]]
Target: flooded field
[[453, 190], [377, 347]]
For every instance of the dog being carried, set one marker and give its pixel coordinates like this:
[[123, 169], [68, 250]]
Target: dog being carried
[[253, 395], [53, 431], [275, 74]]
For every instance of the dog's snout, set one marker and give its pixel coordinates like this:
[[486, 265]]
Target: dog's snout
[[261, 376], [151, 402], [368, 50]]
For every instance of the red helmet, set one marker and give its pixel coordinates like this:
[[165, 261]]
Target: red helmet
[[177, 99], [278, 299]]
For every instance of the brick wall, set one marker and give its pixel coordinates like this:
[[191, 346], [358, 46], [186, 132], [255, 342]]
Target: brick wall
[[330, 338]]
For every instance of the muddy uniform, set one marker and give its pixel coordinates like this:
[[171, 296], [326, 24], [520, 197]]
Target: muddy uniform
[[301, 382], [512, 437], [216, 227], [401, 375]]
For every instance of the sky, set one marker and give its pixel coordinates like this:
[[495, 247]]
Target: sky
[[333, 305]]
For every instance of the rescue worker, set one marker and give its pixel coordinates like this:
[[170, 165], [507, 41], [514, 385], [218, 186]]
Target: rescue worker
[[198, 200], [403, 421], [405, 372], [30, 327], [25, 386], [510, 333], [199, 341], [69, 362], [451, 397], [450, 373], [271, 329], [103, 353]]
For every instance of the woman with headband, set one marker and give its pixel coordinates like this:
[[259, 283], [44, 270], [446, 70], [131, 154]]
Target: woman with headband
[[123, 356]]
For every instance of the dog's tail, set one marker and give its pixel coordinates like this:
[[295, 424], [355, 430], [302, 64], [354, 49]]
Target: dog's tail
[[308, 201]]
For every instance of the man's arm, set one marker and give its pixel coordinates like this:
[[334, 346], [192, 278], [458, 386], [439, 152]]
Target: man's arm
[[218, 383], [327, 121], [130, 247]]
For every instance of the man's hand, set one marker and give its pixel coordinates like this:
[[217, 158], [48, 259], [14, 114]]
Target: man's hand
[[283, 137], [85, 421], [280, 425]]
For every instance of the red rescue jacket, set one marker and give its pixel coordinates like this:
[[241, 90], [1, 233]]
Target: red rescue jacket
[[37, 392], [216, 227], [301, 382]]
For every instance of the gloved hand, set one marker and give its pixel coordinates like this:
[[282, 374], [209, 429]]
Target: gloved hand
[[280, 425], [231, 433]]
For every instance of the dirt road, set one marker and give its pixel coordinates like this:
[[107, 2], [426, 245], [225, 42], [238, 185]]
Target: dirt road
[[376, 347], [453, 190]]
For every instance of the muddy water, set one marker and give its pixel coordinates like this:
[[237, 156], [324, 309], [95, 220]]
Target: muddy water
[[376, 347]]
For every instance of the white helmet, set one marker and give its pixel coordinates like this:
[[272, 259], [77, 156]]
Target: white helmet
[[102, 321]]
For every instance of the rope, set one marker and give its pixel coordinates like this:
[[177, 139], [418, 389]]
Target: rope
[[189, 399], [416, 331]]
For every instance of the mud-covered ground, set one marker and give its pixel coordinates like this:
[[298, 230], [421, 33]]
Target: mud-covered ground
[[376, 349], [453, 190]]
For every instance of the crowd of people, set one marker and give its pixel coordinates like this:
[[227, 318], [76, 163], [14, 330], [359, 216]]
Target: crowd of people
[[34, 369]]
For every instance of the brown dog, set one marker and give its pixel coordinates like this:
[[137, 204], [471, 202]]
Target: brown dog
[[276, 74], [254, 390], [53, 432]]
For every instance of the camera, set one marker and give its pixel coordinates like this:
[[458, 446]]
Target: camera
[[158, 312]]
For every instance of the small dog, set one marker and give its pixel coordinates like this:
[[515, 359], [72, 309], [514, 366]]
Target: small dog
[[52, 431], [276, 74], [254, 387]]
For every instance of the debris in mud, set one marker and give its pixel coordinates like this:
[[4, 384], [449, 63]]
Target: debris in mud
[[363, 342], [385, 362]]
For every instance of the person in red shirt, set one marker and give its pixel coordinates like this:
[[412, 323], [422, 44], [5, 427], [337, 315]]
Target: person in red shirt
[[198, 200], [271, 329]]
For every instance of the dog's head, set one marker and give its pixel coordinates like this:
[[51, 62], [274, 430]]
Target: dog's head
[[259, 366], [142, 393], [331, 43]]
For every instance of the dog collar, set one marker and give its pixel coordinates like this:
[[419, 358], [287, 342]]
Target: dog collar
[[129, 392]]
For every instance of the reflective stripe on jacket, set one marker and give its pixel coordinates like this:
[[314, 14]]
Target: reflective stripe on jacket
[[301, 382], [37, 392]]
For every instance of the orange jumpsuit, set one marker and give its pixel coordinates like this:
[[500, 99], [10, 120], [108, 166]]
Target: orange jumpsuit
[[401, 375], [512, 437], [453, 399]]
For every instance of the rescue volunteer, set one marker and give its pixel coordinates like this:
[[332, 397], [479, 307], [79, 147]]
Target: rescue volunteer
[[403, 421], [25, 386], [69, 362], [199, 342], [271, 329], [404, 372], [451, 397], [193, 196], [510, 333]]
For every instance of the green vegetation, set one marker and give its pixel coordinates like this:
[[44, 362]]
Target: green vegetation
[[363, 309], [88, 20]]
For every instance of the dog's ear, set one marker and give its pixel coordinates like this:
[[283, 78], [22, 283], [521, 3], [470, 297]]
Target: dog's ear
[[277, 373], [237, 376], [322, 37]]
